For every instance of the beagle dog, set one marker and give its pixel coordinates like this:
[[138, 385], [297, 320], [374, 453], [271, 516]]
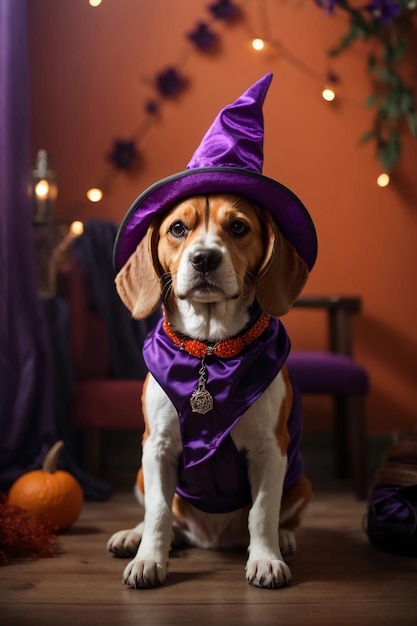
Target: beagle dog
[[225, 274]]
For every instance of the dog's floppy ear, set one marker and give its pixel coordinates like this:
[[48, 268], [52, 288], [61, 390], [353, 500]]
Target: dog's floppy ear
[[138, 282], [282, 274]]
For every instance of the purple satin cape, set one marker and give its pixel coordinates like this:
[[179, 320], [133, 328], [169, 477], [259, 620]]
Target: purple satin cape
[[212, 472]]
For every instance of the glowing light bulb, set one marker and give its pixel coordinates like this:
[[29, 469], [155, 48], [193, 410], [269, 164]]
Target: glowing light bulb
[[258, 44], [42, 189], [328, 94], [77, 228], [94, 194], [94, 3], [383, 180]]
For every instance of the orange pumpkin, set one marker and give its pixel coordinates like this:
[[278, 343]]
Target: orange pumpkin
[[54, 494]]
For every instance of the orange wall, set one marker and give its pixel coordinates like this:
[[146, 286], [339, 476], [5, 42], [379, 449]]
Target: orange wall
[[89, 71]]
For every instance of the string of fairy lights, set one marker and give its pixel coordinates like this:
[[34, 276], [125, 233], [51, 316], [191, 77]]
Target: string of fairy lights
[[170, 82]]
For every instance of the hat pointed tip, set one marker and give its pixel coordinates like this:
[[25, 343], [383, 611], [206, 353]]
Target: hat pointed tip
[[259, 89]]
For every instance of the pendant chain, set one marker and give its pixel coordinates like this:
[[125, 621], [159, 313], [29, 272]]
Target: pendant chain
[[201, 400]]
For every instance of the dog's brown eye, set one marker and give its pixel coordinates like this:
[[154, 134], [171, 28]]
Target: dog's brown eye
[[178, 230], [238, 228]]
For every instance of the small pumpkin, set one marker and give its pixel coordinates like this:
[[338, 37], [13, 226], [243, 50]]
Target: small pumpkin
[[49, 492]]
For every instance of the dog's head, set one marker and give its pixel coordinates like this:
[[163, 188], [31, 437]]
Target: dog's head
[[208, 251]]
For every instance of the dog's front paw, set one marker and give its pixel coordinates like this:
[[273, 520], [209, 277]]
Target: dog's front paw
[[267, 573], [144, 574], [124, 543]]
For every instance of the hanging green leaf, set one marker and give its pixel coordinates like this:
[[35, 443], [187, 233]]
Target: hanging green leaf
[[397, 103], [412, 123], [371, 100], [370, 134], [389, 76], [407, 101], [394, 52], [390, 152], [372, 63], [344, 43]]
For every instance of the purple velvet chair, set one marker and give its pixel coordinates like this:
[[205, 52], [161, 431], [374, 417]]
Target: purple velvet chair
[[336, 373]]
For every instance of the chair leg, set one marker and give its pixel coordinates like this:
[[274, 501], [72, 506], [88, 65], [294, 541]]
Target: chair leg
[[358, 448], [340, 428]]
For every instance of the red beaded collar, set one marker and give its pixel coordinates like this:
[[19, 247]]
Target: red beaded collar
[[223, 349]]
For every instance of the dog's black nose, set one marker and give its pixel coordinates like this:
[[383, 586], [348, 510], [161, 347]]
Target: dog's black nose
[[205, 260]]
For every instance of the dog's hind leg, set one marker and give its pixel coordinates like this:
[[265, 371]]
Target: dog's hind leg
[[294, 502]]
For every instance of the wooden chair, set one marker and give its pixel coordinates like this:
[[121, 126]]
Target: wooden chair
[[336, 373], [99, 401]]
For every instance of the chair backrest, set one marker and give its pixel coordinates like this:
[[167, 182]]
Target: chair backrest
[[88, 335]]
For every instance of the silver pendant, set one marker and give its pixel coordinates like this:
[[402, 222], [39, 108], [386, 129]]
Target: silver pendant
[[201, 400]]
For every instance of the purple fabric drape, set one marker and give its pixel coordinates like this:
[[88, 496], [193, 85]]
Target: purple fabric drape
[[27, 421]]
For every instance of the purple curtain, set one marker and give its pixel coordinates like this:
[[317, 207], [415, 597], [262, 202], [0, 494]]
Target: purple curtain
[[27, 421]]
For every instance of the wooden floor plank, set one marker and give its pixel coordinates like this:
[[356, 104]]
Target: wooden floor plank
[[308, 614], [337, 579]]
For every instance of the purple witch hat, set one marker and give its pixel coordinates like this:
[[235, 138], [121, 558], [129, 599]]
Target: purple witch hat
[[228, 160]]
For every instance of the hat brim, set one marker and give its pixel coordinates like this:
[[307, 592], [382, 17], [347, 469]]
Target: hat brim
[[286, 209]]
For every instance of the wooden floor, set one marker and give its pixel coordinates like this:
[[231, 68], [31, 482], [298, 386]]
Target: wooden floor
[[337, 579]]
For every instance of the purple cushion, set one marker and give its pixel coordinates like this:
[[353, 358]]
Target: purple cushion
[[325, 372]]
